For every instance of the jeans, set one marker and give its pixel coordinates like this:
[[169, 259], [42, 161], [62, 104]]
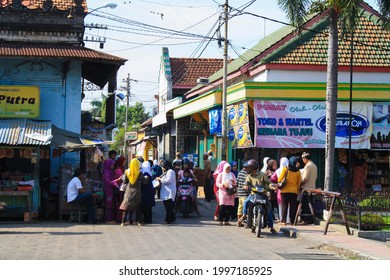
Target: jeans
[[87, 200]]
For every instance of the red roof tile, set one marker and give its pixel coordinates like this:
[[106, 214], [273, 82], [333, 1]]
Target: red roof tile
[[186, 71], [56, 51]]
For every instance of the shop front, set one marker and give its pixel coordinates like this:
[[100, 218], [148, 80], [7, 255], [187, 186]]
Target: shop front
[[284, 119], [24, 167]]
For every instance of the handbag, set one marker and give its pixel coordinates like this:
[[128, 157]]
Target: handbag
[[283, 183], [231, 191]]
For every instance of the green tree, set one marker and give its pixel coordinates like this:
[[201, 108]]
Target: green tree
[[136, 116], [345, 11], [99, 108]]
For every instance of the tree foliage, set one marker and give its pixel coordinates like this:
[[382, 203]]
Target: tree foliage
[[135, 117]]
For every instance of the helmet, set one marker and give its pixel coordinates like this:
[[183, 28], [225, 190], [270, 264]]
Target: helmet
[[254, 164], [186, 161]]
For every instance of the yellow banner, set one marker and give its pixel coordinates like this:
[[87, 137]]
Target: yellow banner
[[19, 101]]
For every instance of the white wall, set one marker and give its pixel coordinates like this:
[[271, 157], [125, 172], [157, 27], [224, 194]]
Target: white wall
[[320, 76]]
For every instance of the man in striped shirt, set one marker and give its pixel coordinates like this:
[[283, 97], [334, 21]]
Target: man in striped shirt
[[242, 192]]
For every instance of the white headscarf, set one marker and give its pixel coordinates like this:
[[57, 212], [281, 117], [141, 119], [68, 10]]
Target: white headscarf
[[227, 176], [265, 164], [155, 162], [283, 164], [145, 168]]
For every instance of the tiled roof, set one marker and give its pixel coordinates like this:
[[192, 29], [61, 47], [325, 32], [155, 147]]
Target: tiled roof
[[186, 71], [33, 4], [285, 46], [56, 51], [15, 131], [371, 48]]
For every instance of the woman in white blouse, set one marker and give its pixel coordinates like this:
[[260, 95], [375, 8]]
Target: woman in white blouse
[[168, 190]]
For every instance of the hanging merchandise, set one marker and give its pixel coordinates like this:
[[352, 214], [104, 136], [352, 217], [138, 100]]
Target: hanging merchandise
[[97, 157], [9, 153], [27, 153], [2, 152]]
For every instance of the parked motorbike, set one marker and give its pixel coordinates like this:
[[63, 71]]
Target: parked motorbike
[[259, 204]]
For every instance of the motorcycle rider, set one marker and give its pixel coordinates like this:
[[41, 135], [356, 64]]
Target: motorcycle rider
[[187, 178], [256, 177]]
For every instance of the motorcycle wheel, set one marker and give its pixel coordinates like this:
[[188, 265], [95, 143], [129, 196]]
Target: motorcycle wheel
[[185, 209], [255, 212], [259, 220]]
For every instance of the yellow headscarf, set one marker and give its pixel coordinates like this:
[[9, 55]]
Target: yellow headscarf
[[133, 171]]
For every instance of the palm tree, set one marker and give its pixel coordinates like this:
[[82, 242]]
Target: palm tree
[[347, 12]]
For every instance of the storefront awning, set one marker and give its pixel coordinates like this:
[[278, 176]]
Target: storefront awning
[[69, 140], [159, 119], [201, 103], [25, 132]]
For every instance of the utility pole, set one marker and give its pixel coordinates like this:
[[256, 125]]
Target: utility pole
[[225, 145], [128, 86]]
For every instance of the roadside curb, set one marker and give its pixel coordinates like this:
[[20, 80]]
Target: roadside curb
[[320, 244]]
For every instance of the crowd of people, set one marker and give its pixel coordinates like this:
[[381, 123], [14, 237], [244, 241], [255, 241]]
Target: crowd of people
[[130, 193], [299, 171]]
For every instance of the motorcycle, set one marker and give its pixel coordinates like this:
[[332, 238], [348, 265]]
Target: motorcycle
[[184, 198], [259, 204]]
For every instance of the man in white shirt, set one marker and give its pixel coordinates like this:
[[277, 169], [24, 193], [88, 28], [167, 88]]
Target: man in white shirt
[[76, 194]]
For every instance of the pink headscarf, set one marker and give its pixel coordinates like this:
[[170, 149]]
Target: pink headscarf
[[219, 168]]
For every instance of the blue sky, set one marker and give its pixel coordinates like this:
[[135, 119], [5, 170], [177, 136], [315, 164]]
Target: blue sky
[[125, 37]]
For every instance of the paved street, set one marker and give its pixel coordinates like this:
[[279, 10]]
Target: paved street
[[196, 238]]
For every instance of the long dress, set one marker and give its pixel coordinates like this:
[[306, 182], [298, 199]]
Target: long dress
[[118, 195], [132, 198], [147, 199], [109, 201]]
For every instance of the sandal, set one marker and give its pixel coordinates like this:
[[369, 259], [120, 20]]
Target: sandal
[[227, 224], [273, 231]]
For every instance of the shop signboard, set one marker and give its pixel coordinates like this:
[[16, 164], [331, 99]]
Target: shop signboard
[[215, 125], [238, 131], [302, 124], [380, 139], [19, 102], [131, 135]]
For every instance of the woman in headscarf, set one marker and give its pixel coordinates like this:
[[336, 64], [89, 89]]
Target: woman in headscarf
[[225, 180], [265, 165], [156, 169], [117, 183], [168, 190], [283, 163], [217, 171], [108, 188], [132, 199], [147, 193], [291, 189]]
